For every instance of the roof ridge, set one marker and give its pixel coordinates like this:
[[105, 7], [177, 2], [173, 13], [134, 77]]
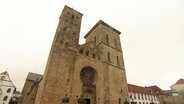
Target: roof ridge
[[180, 81]]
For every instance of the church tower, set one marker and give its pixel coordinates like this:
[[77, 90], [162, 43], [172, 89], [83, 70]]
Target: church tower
[[107, 40], [57, 79], [93, 71]]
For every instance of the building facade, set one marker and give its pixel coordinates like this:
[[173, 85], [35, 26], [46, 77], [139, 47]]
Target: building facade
[[30, 88], [167, 96], [142, 95], [93, 72], [178, 87], [177, 92], [6, 88]]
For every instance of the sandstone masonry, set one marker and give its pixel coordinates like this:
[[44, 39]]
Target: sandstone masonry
[[94, 71]]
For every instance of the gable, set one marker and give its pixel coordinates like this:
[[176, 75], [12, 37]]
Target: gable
[[104, 24], [5, 79], [90, 50], [180, 81]]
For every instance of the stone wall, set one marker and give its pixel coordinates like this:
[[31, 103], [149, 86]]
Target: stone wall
[[29, 92]]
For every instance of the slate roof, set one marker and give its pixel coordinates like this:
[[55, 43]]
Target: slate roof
[[34, 77]]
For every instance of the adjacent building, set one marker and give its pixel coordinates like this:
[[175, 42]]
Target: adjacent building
[[30, 88], [167, 96], [142, 95], [154, 95], [176, 94], [178, 87], [6, 88]]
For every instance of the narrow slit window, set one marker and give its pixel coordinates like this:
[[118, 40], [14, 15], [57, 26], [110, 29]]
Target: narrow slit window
[[94, 55], [115, 43], [108, 56], [87, 53], [117, 60], [107, 39], [95, 39], [73, 16], [81, 51]]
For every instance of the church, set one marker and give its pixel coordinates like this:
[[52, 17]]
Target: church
[[91, 73]]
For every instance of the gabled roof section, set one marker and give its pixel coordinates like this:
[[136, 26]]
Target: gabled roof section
[[4, 73], [156, 89], [180, 81], [103, 23], [5, 78], [89, 49], [91, 46], [72, 9], [138, 89], [34, 77]]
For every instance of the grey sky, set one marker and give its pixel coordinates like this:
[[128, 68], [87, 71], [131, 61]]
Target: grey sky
[[152, 36]]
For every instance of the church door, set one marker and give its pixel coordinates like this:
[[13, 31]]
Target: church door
[[89, 94], [87, 101]]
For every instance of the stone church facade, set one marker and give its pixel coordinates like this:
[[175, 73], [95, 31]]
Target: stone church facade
[[93, 71]]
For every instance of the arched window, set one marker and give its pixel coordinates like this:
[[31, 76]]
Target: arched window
[[2, 77], [72, 16], [94, 55], [9, 90], [5, 98], [65, 28], [81, 51], [87, 53]]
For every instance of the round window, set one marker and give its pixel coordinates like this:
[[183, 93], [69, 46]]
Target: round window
[[87, 75], [2, 77]]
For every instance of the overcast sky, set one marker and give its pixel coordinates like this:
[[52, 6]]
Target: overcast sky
[[152, 36]]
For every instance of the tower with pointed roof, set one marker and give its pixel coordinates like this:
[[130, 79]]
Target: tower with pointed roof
[[93, 72]]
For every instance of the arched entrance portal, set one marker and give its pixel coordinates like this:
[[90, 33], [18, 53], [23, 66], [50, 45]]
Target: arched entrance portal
[[89, 93], [88, 77]]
